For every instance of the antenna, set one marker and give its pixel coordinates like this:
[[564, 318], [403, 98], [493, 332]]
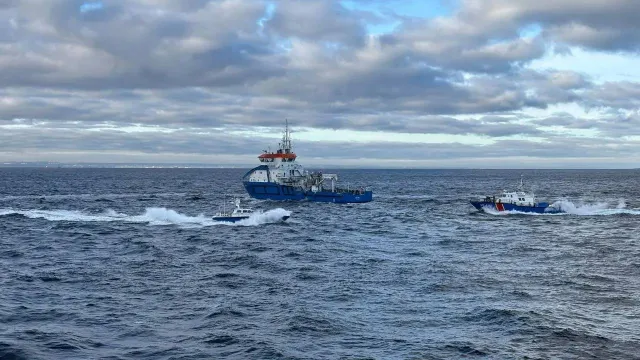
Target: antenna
[[521, 182], [286, 137]]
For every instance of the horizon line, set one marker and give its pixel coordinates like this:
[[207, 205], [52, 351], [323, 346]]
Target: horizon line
[[144, 165]]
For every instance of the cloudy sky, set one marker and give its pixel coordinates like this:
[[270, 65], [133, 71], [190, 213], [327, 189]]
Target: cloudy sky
[[367, 83]]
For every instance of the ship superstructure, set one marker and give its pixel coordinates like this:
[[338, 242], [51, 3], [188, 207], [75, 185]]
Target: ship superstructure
[[280, 177]]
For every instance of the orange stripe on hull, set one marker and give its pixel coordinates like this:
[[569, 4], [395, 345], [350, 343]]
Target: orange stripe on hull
[[500, 207], [277, 156]]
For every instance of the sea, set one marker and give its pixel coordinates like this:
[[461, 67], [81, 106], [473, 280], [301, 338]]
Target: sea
[[128, 264]]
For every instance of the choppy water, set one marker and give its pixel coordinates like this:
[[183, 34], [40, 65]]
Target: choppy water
[[126, 264]]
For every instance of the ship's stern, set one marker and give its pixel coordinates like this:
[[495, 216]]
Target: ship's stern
[[359, 197]]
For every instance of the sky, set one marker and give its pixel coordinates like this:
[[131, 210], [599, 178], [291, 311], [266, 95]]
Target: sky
[[391, 84]]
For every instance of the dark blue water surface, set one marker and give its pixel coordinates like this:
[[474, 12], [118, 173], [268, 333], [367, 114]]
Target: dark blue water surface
[[126, 264]]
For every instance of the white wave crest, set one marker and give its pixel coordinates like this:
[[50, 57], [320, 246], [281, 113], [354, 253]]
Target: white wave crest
[[493, 211], [164, 216], [568, 207], [152, 216], [601, 208], [259, 218], [62, 215]]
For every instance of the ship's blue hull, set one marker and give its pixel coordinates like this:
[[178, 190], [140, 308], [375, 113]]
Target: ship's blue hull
[[539, 208], [274, 191]]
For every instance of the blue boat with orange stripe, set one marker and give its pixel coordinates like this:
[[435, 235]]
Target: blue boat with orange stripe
[[517, 201]]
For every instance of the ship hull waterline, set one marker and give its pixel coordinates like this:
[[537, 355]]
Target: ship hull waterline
[[537, 209], [274, 191], [233, 219]]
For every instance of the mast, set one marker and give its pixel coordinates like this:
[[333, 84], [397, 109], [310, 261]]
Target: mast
[[521, 182], [284, 152], [286, 138]]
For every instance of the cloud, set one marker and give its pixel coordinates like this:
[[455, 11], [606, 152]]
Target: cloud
[[320, 21], [159, 76], [620, 95], [136, 45], [598, 24], [57, 144]]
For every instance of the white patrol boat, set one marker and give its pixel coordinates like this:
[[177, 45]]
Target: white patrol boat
[[237, 214], [519, 201]]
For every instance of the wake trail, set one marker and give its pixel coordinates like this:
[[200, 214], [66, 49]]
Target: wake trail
[[152, 216], [570, 208]]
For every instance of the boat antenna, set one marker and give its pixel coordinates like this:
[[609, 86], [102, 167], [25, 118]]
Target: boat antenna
[[286, 139], [521, 182]]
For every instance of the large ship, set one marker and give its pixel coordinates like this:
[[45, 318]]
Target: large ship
[[281, 178]]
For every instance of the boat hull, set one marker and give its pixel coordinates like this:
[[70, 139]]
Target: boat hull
[[274, 191], [234, 219], [540, 208], [340, 197], [231, 219]]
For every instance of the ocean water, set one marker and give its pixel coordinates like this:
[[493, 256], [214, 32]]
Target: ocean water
[[127, 264]]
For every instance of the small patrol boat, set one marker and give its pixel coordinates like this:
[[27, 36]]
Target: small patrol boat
[[282, 178], [238, 214], [519, 201]]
